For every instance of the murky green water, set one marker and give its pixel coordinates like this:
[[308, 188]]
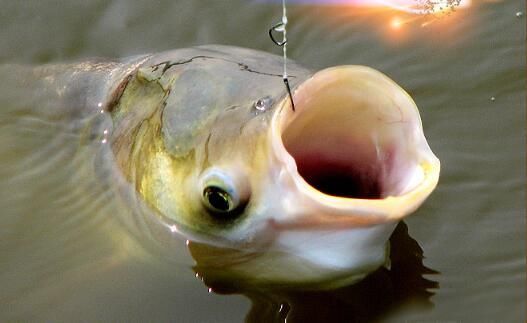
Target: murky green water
[[65, 257]]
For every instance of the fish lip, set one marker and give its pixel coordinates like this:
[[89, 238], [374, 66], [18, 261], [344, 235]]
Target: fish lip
[[318, 208]]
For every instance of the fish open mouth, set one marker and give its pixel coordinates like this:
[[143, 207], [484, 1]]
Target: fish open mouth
[[355, 135]]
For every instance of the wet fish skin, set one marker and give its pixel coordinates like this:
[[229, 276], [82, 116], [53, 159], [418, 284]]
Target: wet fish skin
[[169, 116], [185, 111], [168, 126]]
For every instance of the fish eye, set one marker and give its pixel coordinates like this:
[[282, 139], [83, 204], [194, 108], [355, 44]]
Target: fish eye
[[222, 195], [217, 199]]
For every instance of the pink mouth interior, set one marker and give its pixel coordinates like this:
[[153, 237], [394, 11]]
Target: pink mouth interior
[[329, 169], [350, 142]]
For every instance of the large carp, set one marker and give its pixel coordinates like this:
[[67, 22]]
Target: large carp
[[207, 140]]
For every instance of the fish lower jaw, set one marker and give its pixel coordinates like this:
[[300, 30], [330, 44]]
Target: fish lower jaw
[[318, 260]]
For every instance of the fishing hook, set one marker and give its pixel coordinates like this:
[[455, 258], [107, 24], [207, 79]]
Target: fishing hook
[[286, 82], [280, 27]]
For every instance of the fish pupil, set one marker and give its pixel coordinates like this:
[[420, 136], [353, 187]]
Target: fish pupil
[[217, 198]]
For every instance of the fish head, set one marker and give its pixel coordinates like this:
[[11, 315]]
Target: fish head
[[270, 191]]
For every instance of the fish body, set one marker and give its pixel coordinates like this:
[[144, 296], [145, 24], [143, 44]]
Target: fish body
[[207, 141]]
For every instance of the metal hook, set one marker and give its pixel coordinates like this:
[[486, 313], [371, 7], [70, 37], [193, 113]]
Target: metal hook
[[278, 28], [286, 82], [281, 28]]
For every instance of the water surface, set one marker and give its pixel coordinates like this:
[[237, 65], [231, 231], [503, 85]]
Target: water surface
[[65, 255]]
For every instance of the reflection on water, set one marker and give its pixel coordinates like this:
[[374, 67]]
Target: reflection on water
[[386, 289]]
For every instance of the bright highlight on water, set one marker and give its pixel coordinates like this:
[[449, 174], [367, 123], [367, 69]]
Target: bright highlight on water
[[420, 7]]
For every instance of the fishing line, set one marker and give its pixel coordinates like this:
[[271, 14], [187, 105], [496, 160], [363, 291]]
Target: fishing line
[[281, 28]]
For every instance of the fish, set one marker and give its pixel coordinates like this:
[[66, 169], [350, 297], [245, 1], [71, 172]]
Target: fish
[[203, 145]]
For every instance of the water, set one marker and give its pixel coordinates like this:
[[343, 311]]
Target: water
[[65, 257]]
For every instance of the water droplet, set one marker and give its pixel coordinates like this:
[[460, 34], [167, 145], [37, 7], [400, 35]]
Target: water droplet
[[210, 290], [259, 105], [105, 131], [492, 98], [519, 14], [102, 111], [99, 104], [263, 103], [187, 242], [104, 141], [173, 228]]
